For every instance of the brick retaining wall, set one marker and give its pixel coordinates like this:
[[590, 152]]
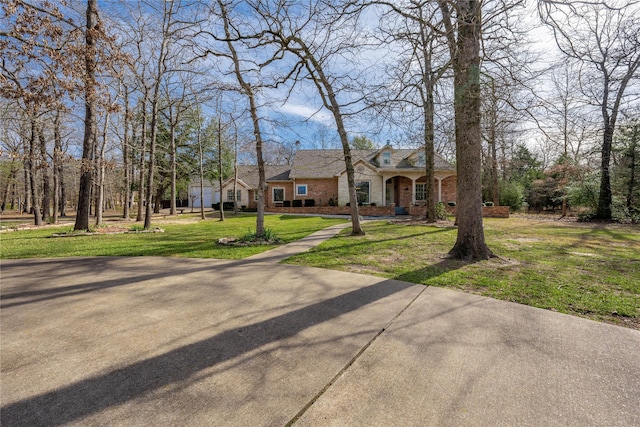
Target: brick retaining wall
[[335, 210], [487, 211]]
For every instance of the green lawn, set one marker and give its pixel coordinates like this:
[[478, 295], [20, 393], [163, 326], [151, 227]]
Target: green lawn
[[587, 270], [187, 237]]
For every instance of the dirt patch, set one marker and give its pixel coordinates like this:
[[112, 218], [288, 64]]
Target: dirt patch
[[232, 241]]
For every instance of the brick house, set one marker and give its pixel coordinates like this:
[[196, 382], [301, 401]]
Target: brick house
[[384, 177]]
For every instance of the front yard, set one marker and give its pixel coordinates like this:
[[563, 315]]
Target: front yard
[[588, 270]]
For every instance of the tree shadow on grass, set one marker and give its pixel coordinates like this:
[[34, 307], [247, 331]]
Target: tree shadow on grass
[[444, 266]]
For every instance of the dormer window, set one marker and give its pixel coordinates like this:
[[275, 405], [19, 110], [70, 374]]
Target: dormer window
[[420, 160], [386, 158]]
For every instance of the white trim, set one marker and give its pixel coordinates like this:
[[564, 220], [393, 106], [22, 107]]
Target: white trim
[[284, 194], [306, 189], [364, 162], [368, 189]]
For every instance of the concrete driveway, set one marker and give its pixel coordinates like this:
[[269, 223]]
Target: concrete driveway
[[170, 341]]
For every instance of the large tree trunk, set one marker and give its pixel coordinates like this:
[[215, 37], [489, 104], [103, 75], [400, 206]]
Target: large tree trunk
[[635, 137], [220, 178], [603, 211], [101, 172], [26, 203], [126, 209], [201, 170], [141, 161], [56, 162], [88, 143], [33, 181], [174, 163], [470, 243], [43, 165]]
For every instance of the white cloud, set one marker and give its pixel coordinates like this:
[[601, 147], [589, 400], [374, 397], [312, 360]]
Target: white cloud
[[307, 113]]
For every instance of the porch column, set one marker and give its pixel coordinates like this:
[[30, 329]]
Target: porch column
[[413, 191], [439, 189], [293, 196], [384, 190]]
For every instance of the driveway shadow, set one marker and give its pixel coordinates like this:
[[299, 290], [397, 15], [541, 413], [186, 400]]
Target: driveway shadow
[[92, 395]]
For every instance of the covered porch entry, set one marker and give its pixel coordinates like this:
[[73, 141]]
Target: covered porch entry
[[409, 190]]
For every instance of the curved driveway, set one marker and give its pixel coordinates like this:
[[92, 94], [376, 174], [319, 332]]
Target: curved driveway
[[172, 341]]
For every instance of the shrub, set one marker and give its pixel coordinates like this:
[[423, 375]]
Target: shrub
[[441, 211], [512, 195], [584, 193], [269, 235], [586, 216]]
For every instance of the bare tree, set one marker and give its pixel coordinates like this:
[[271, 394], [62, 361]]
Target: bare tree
[[464, 46], [38, 48], [421, 67], [602, 37], [231, 36], [304, 33], [88, 143]]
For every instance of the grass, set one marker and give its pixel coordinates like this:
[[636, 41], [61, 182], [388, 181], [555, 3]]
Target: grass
[[187, 237], [587, 270]]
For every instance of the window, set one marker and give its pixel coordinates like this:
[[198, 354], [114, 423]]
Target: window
[[420, 160], [421, 191], [301, 190], [386, 158], [362, 191], [230, 195], [278, 194]]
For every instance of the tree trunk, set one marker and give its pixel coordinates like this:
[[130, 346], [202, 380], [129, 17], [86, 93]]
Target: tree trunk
[[56, 161], [88, 143], [470, 243], [334, 107], [603, 211], [253, 110], [101, 172], [33, 174], [201, 170], [26, 204], [43, 165], [63, 191], [141, 162], [174, 163], [428, 113], [429, 160], [220, 168], [126, 209], [635, 138]]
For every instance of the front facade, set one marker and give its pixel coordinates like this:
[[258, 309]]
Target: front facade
[[384, 177]]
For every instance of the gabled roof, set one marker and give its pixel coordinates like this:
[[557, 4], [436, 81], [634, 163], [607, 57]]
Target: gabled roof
[[330, 163], [439, 162], [249, 174]]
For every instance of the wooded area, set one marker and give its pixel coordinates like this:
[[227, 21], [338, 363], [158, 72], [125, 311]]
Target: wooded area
[[120, 104]]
